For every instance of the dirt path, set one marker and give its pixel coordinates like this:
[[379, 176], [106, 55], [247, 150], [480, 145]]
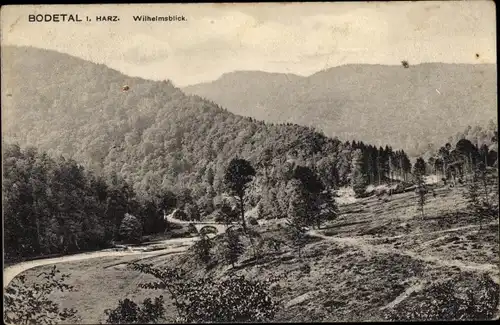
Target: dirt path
[[430, 233], [368, 249], [360, 243], [11, 272], [416, 287], [178, 245]]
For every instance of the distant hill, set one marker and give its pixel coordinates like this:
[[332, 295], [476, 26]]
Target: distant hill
[[407, 107], [150, 132]]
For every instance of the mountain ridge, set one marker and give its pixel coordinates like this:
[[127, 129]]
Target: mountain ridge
[[339, 100], [151, 133]]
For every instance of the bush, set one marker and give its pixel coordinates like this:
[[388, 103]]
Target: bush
[[202, 249], [444, 301], [274, 244], [180, 215], [205, 230], [225, 213], [252, 221], [31, 305], [192, 229], [128, 312], [146, 239], [235, 299], [232, 300], [131, 229]]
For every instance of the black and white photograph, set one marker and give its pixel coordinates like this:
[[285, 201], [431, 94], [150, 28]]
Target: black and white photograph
[[250, 162]]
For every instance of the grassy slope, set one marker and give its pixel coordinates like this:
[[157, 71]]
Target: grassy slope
[[367, 262]]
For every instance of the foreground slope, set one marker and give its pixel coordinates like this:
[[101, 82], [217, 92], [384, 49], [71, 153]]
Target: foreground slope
[[421, 104], [378, 261]]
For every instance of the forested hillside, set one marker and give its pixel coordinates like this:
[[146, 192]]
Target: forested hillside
[[53, 206], [421, 104], [154, 135]]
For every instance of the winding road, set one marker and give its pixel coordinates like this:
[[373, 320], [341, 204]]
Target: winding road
[[179, 245]]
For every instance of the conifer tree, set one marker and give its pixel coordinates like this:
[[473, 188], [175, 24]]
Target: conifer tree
[[359, 181]]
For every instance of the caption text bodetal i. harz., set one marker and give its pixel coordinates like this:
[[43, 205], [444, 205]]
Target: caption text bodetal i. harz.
[[64, 17]]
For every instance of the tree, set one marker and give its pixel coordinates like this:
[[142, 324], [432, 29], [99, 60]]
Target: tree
[[444, 153], [297, 217], [421, 189], [261, 214], [308, 198], [473, 198], [480, 203], [232, 247], [359, 181], [235, 299], [238, 174], [298, 203], [483, 152], [226, 214], [329, 210], [469, 152], [296, 233], [131, 229], [309, 180], [419, 167], [192, 211], [25, 304]]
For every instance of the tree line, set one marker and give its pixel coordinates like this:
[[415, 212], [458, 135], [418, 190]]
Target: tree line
[[54, 206]]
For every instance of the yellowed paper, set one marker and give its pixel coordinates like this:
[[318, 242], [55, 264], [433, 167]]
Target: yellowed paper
[[348, 149]]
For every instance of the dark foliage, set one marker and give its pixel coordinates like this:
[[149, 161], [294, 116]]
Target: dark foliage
[[128, 312], [443, 302], [130, 229], [60, 207], [235, 299], [25, 304]]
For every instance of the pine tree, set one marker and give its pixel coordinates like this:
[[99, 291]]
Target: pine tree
[[237, 176], [421, 192], [472, 196], [297, 218], [296, 232], [359, 180], [328, 207]]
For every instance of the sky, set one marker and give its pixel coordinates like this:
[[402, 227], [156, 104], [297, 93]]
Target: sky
[[299, 38]]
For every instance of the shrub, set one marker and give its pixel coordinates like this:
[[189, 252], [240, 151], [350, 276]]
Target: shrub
[[131, 229], [443, 301], [232, 300], [202, 249], [128, 312], [225, 213], [274, 244], [235, 299], [180, 215], [205, 230], [192, 229], [252, 221], [30, 305]]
